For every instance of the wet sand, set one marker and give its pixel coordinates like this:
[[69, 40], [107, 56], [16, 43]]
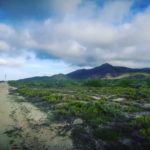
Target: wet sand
[[25, 127]]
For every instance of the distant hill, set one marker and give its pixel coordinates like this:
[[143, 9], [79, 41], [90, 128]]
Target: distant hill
[[59, 80], [103, 71], [45, 78]]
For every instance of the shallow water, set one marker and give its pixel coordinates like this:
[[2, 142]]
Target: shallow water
[[24, 126]]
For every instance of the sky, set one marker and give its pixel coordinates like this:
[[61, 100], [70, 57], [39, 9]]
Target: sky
[[46, 37]]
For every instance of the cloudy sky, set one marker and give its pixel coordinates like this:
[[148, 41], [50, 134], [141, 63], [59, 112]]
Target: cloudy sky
[[45, 37]]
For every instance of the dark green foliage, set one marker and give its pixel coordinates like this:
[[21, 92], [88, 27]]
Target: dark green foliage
[[142, 121], [110, 134], [145, 133], [125, 83], [93, 83], [142, 125], [95, 102]]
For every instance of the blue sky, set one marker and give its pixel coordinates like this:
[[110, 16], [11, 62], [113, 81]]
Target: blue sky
[[46, 37]]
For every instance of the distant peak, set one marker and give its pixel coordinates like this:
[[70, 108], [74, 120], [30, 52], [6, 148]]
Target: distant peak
[[106, 64]]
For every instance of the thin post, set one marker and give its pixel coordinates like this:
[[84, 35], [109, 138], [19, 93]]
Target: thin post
[[5, 78]]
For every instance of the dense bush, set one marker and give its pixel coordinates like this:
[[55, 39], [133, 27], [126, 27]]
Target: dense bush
[[94, 102]]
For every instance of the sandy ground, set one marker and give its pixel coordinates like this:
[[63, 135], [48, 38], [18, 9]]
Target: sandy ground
[[24, 127]]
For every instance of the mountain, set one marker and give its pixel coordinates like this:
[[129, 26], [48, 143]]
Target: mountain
[[103, 71]]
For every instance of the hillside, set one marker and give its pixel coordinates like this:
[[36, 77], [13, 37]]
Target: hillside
[[105, 70], [59, 80]]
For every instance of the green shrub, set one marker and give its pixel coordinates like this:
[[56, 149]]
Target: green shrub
[[142, 121], [145, 133], [108, 134]]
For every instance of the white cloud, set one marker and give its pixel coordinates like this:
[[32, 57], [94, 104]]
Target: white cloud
[[65, 6], [87, 35], [27, 65], [6, 31], [4, 46], [115, 11]]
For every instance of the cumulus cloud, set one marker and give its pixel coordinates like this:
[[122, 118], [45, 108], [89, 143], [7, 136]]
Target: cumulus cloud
[[9, 63], [15, 61], [65, 6], [78, 41], [4, 46], [81, 34], [115, 11], [28, 65]]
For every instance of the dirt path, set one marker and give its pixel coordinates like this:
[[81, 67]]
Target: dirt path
[[24, 127]]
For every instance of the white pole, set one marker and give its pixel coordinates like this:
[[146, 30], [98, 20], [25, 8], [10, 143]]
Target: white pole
[[5, 77]]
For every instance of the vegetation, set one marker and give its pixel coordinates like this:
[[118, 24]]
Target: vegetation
[[110, 110]]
